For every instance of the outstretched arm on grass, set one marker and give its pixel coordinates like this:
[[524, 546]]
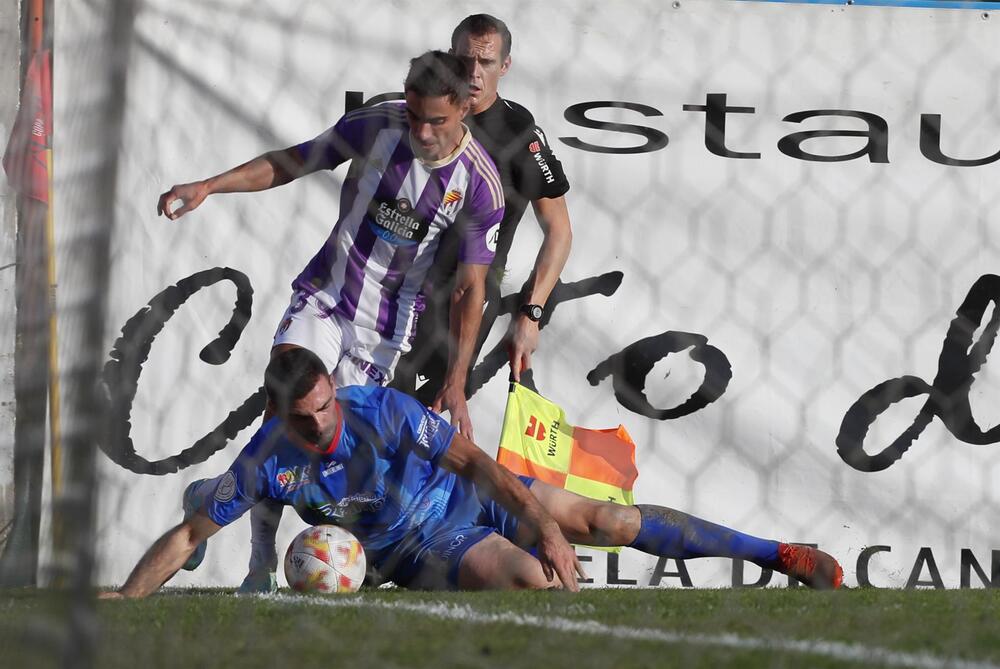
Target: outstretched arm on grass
[[165, 557]]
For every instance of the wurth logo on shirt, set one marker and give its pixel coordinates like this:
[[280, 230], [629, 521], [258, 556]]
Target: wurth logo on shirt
[[536, 149]]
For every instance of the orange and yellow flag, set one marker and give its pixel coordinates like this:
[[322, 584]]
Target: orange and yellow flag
[[538, 441]]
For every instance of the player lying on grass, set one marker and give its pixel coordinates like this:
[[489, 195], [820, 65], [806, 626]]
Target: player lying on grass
[[431, 509]]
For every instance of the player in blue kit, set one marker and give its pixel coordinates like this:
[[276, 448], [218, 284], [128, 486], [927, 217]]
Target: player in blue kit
[[431, 509]]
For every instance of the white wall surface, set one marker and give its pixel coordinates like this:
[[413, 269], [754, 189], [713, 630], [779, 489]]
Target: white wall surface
[[816, 280]]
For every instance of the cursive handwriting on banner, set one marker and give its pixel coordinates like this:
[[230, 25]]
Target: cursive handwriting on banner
[[947, 397]]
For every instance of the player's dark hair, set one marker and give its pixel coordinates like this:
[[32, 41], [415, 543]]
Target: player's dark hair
[[290, 376], [438, 74], [482, 24]]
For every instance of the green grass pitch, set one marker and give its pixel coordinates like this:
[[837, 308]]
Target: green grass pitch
[[596, 628]]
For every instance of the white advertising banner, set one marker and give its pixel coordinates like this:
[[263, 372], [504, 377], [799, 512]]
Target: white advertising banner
[[782, 283]]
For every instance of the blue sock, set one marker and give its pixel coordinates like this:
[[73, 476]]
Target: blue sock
[[674, 534]]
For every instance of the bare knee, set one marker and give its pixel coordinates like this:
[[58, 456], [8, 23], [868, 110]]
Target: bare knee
[[496, 564], [613, 524], [530, 579], [588, 521]]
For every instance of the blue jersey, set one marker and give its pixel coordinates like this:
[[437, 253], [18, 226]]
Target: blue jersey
[[382, 481]]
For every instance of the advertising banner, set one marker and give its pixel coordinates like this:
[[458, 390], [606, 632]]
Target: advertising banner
[[783, 283]]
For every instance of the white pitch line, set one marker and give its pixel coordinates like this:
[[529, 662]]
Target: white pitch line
[[833, 649]]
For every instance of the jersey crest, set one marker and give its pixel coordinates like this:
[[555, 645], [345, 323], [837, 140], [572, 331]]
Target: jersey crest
[[451, 203]]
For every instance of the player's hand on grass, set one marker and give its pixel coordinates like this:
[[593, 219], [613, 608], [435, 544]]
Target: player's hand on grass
[[451, 398], [190, 195], [522, 341], [110, 594], [558, 558]]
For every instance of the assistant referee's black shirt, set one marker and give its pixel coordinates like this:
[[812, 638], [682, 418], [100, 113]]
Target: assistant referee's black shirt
[[528, 168]]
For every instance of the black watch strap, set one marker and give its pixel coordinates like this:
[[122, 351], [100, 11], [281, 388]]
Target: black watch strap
[[532, 311]]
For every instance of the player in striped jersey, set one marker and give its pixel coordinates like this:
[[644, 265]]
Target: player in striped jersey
[[415, 172]]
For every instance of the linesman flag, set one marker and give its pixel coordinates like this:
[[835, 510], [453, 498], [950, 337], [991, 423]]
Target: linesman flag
[[25, 159], [537, 441]]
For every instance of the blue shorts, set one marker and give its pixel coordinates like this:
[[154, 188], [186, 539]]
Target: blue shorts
[[430, 560]]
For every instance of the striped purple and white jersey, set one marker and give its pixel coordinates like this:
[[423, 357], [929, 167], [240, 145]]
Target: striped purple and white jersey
[[393, 209]]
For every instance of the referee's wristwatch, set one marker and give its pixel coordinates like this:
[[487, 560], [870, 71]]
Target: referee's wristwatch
[[532, 311]]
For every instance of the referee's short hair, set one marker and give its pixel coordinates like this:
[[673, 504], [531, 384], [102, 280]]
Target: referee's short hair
[[483, 24], [290, 376], [436, 74]]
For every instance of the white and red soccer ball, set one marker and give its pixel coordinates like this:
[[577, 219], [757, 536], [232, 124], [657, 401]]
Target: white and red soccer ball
[[325, 559]]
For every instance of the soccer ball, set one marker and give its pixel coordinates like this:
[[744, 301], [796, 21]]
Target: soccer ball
[[324, 559]]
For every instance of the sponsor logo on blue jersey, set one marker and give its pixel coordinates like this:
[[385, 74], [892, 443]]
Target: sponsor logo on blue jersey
[[353, 505], [292, 478], [426, 431], [332, 468]]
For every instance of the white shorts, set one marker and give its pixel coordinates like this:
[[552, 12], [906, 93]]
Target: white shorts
[[355, 356]]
